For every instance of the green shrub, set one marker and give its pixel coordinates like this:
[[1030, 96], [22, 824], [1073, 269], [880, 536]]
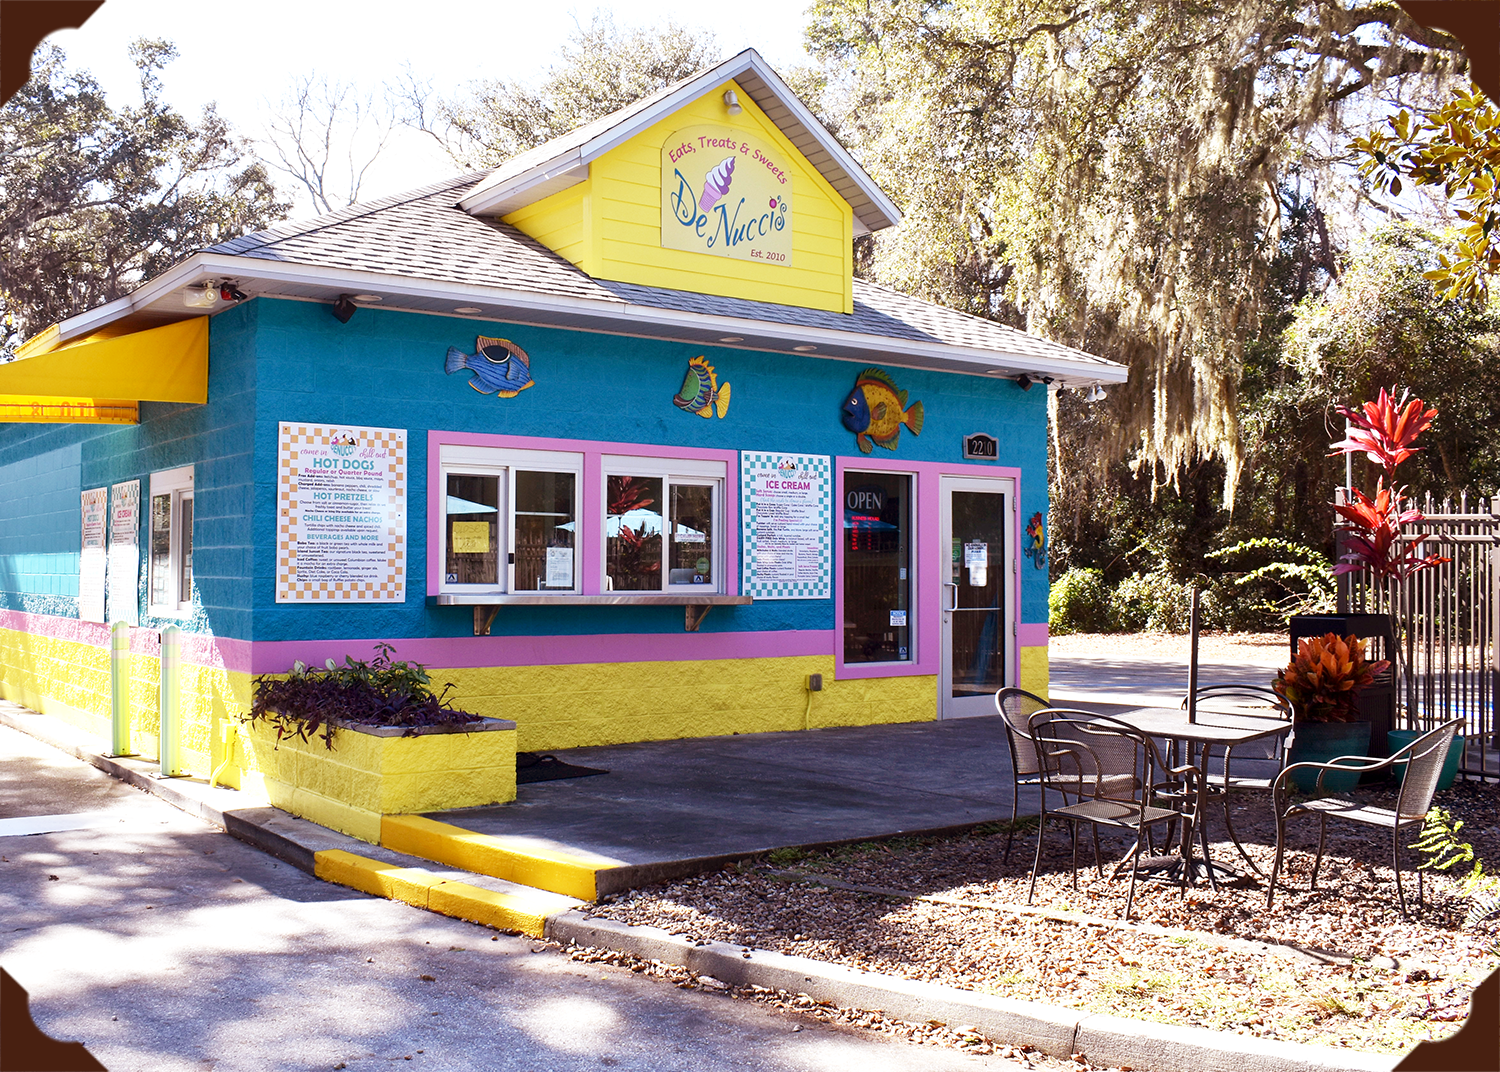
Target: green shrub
[[1292, 579], [1078, 603], [1151, 601]]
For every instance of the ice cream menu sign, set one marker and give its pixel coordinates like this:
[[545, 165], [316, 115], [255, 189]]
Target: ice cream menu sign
[[726, 192], [787, 525], [341, 514]]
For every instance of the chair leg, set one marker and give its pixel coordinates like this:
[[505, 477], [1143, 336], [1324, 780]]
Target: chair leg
[[1229, 825], [1276, 867], [1098, 855], [1041, 830], [1203, 840], [1396, 866], [1318, 860], [1010, 834], [1074, 824]]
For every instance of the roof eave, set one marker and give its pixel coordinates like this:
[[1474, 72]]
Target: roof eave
[[571, 166]]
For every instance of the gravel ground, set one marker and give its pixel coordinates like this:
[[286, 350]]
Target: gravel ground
[[1337, 966]]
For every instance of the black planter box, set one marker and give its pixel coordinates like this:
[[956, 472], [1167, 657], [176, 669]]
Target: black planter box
[[1377, 702]]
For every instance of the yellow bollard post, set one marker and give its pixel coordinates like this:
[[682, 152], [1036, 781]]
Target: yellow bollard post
[[171, 647], [119, 690]]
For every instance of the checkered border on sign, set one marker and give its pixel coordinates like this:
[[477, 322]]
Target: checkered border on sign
[[292, 589], [821, 467]]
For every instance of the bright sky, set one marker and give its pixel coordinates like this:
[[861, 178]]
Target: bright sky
[[244, 55]]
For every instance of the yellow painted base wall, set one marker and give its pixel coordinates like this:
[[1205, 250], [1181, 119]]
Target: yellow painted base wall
[[70, 681], [609, 703], [350, 786], [1036, 676]]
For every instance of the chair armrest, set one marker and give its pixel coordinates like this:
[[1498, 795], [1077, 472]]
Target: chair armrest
[[1338, 763]]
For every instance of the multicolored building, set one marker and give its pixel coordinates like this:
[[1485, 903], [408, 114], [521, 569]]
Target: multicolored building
[[609, 437]]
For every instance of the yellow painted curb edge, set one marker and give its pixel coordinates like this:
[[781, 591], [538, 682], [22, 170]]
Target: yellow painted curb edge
[[444, 843], [421, 888]]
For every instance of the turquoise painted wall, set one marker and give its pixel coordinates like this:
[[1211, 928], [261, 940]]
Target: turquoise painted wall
[[385, 369], [44, 468]]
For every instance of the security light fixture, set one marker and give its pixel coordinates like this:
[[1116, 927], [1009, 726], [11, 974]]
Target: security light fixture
[[1024, 382], [1096, 393], [344, 308], [202, 297], [229, 292], [732, 102]]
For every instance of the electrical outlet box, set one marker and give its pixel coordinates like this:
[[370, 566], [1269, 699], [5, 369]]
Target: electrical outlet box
[[814, 682]]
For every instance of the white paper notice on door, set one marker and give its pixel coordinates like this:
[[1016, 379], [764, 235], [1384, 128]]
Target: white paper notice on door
[[976, 554], [91, 563], [559, 567]]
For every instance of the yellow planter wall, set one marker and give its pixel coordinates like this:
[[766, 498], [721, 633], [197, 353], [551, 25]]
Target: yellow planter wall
[[610, 224], [363, 776]]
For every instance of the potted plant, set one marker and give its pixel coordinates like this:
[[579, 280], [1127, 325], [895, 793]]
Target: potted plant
[[1321, 684], [346, 745]]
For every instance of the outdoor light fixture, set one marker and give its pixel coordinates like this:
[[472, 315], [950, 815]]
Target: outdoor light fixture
[[804, 349], [467, 309], [732, 102], [1024, 382], [200, 297], [1096, 394], [732, 338], [344, 308], [229, 292]]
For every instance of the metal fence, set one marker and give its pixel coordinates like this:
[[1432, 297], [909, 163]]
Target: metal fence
[[1447, 621]]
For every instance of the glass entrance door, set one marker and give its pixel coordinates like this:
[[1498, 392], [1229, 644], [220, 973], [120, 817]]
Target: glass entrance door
[[978, 544]]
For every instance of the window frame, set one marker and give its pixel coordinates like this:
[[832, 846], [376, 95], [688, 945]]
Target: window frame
[[690, 472], [178, 484], [504, 463]]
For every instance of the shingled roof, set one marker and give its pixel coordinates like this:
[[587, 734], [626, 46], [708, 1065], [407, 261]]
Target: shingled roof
[[424, 234]]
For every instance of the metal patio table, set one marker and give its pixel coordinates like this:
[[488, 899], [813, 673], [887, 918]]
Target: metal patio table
[[1201, 730]]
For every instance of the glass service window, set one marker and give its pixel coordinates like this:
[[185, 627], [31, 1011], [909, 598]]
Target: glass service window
[[509, 520], [170, 547], [877, 567], [662, 525]]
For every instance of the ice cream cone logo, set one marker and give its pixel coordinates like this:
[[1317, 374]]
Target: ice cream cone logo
[[716, 183]]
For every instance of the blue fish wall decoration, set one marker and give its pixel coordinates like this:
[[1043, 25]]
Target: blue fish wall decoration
[[498, 367]]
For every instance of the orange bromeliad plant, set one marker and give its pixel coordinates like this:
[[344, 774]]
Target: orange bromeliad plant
[[1321, 681]]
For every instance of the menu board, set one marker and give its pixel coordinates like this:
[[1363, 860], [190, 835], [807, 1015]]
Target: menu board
[[787, 525], [125, 552], [340, 514], [91, 562]]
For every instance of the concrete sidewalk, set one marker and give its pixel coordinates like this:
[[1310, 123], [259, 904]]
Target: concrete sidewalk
[[885, 768]]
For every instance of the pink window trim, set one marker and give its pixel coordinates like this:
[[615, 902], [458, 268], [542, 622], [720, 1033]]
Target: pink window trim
[[591, 521]]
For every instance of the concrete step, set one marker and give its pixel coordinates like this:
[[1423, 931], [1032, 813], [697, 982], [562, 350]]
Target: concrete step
[[530, 861]]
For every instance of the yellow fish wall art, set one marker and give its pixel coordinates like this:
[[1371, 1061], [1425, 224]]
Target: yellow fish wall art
[[876, 409], [701, 391]]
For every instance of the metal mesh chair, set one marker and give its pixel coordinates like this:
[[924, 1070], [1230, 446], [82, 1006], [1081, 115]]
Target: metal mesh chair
[[1424, 759], [1255, 701], [1113, 771], [1016, 706]]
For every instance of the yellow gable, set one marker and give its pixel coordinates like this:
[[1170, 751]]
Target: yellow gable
[[707, 202]]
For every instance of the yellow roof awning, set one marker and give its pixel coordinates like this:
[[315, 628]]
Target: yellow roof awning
[[102, 380]]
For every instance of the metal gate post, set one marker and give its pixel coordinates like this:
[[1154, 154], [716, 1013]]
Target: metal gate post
[[171, 646], [119, 690]]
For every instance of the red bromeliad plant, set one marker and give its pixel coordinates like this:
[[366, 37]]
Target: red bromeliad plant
[[1383, 431]]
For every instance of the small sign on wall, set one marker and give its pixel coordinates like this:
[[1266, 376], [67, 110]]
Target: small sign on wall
[[91, 562], [981, 447], [124, 552]]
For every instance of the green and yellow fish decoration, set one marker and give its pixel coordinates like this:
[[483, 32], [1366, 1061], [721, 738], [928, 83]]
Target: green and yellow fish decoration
[[875, 411], [701, 392]]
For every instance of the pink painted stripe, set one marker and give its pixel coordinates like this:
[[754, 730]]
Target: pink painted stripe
[[275, 657], [1032, 634], [199, 649]]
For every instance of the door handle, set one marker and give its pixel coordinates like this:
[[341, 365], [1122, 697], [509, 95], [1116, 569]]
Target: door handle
[[953, 604]]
